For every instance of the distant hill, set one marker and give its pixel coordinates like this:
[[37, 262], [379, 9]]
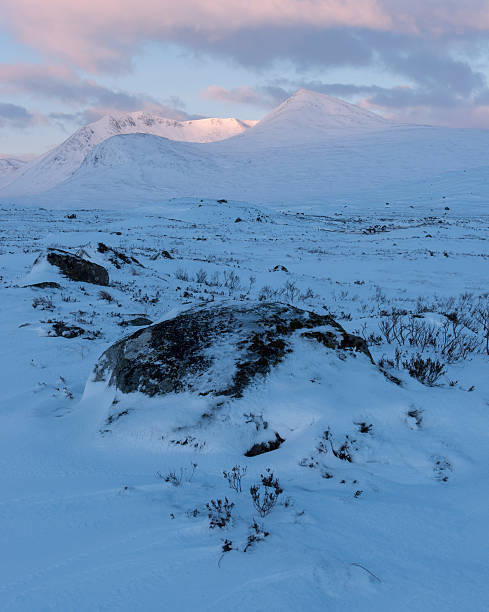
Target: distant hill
[[60, 163]]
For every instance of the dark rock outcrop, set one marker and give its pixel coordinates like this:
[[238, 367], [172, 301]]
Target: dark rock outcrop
[[216, 351], [117, 258], [260, 448], [78, 269], [60, 328]]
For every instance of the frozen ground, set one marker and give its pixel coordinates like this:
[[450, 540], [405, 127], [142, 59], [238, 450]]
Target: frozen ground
[[87, 524]]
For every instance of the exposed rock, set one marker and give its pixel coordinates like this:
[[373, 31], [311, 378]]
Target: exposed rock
[[279, 268], [265, 447], [342, 341], [59, 328], [216, 351], [117, 258], [45, 285], [164, 254], [78, 269], [137, 322]]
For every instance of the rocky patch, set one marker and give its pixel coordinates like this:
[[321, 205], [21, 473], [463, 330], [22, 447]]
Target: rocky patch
[[216, 351], [117, 258], [76, 268]]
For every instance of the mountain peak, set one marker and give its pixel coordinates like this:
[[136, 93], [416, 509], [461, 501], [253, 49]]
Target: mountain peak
[[60, 163], [310, 115]]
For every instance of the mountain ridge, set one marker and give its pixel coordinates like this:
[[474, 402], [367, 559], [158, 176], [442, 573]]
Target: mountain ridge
[[60, 163]]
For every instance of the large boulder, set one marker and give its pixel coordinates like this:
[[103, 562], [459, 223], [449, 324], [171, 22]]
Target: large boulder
[[78, 269], [216, 350]]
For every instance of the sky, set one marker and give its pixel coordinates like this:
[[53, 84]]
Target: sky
[[65, 63]]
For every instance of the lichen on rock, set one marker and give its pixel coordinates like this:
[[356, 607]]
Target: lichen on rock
[[218, 350]]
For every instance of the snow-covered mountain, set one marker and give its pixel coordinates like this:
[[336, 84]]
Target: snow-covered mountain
[[306, 117], [310, 116], [401, 166], [60, 163], [297, 156], [9, 167]]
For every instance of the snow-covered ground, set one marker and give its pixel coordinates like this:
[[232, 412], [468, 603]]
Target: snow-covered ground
[[86, 522]]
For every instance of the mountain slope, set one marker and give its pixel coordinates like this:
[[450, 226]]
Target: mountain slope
[[9, 166], [403, 166], [59, 163], [310, 116], [292, 158]]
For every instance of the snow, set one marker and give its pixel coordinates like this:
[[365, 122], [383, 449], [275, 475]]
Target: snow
[[312, 153], [9, 167], [60, 163], [358, 225], [88, 525], [309, 116], [362, 172]]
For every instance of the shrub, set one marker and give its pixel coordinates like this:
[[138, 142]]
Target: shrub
[[234, 477], [219, 512], [343, 452], [257, 534], [176, 478], [43, 303], [182, 275], [105, 295], [427, 371], [266, 493], [201, 276], [231, 280]]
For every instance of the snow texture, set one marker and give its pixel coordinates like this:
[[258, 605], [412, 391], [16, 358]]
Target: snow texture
[[381, 500], [60, 163]]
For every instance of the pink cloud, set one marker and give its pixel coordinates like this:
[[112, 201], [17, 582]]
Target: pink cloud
[[239, 95], [61, 83], [465, 115], [98, 34], [94, 34]]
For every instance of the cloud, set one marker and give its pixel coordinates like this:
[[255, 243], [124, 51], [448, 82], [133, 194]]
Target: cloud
[[421, 41], [104, 35], [403, 104], [431, 46], [12, 115], [238, 95], [63, 84]]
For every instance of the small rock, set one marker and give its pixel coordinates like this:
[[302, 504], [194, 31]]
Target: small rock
[[60, 328], [116, 257], [45, 285], [137, 322], [78, 269], [265, 447], [164, 254]]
